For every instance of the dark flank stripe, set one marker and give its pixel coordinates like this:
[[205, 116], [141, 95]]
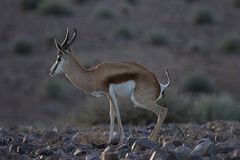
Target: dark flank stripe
[[120, 78]]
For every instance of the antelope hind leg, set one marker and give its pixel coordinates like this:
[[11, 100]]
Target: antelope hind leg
[[112, 119], [162, 115]]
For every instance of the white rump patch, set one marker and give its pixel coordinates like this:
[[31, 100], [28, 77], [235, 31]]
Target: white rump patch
[[123, 89]]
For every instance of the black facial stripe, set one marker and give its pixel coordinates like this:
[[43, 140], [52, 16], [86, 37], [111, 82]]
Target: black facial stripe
[[59, 59], [55, 68]]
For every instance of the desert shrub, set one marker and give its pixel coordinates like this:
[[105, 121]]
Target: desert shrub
[[81, 1], [125, 9], [190, 1], [236, 3], [30, 4], [179, 106], [104, 12], [198, 82], [231, 43], [125, 32], [195, 46], [23, 45], [214, 107], [131, 2], [52, 89], [55, 7], [96, 111], [157, 38], [204, 16]]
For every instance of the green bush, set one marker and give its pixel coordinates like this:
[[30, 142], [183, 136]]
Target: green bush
[[23, 45], [198, 83], [236, 3], [231, 43], [30, 4], [204, 16], [158, 38], [55, 7], [223, 107], [104, 12], [125, 32], [52, 89]]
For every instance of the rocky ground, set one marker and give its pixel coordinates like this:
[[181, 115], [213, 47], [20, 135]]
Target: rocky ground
[[213, 140]]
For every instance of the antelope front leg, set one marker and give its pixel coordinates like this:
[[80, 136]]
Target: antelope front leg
[[112, 119]]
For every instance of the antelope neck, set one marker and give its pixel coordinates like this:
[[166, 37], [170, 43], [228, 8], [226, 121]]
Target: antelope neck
[[78, 75]]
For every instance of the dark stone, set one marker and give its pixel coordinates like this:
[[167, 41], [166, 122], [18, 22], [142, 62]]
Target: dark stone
[[169, 146], [144, 144], [81, 152], [123, 150], [182, 152], [177, 143], [51, 137], [20, 150], [109, 154], [93, 156], [132, 155], [13, 148], [9, 140], [131, 140], [160, 154], [67, 139], [31, 137], [143, 131], [27, 148], [171, 156], [236, 153], [236, 131], [2, 141], [70, 131], [226, 147], [44, 152], [194, 157], [59, 153], [206, 148], [69, 147], [99, 146], [20, 136]]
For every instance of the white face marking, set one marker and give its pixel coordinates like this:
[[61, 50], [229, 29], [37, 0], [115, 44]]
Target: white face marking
[[58, 66], [123, 89]]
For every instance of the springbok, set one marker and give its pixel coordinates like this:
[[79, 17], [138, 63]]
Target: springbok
[[112, 80]]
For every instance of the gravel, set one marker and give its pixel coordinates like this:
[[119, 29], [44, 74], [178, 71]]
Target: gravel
[[176, 142]]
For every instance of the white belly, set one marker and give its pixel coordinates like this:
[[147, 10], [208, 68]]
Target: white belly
[[123, 89]]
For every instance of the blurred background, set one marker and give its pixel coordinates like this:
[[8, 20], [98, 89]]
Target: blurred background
[[198, 40]]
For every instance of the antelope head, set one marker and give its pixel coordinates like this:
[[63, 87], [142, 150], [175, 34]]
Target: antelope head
[[62, 53]]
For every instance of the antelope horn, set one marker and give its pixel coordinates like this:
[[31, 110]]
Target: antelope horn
[[70, 42], [64, 43]]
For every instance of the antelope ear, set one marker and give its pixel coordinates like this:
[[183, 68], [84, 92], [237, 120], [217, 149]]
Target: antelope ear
[[59, 47]]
